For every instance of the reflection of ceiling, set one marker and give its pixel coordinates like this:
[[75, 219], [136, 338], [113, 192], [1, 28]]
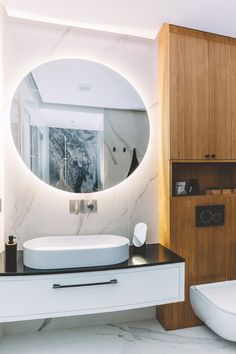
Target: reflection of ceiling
[[70, 120], [84, 83], [134, 17]]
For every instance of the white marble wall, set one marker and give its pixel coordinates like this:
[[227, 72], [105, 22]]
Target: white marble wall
[[34, 209], [123, 129], [1, 134]]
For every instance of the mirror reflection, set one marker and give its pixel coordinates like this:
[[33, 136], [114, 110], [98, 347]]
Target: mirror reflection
[[78, 125]]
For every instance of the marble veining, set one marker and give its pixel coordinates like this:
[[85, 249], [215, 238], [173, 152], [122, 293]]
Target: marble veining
[[33, 209], [109, 148], [142, 193], [142, 337], [62, 36], [73, 159], [113, 221], [118, 40], [45, 323]]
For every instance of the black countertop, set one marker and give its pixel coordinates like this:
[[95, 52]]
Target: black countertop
[[153, 254]]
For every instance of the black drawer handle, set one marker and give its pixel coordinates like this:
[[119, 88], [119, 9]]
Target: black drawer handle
[[213, 156], [59, 286], [207, 156]]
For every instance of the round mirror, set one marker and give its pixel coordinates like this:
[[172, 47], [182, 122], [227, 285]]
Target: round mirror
[[78, 125]]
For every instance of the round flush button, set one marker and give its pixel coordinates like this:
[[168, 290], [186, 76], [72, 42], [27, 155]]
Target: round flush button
[[206, 216], [216, 217]]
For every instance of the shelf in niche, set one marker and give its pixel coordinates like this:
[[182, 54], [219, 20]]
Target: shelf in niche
[[202, 161], [221, 175], [203, 196]]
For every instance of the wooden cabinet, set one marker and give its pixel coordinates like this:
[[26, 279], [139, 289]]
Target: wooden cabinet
[[207, 251], [197, 107], [210, 251], [201, 104], [222, 84], [189, 97]]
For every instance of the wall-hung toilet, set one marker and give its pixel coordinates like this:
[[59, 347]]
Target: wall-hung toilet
[[215, 305]]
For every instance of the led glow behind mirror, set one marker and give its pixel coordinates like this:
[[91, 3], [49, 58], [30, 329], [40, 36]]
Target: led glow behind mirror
[[78, 125]]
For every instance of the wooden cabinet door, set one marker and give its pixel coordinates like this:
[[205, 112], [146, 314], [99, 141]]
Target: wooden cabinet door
[[222, 86], [209, 252], [214, 244], [205, 249], [189, 97]]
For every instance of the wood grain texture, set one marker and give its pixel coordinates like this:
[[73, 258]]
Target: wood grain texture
[[206, 250], [189, 97], [222, 84], [220, 98], [231, 252], [197, 90], [211, 174], [200, 34], [183, 242], [232, 72], [206, 161], [164, 181]]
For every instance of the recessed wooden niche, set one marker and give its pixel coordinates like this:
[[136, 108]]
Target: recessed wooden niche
[[220, 175]]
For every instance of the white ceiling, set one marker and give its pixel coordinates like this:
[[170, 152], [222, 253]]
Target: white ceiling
[[141, 18], [60, 82], [70, 120]]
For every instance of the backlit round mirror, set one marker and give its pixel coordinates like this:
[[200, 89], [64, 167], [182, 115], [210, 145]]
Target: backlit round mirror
[[78, 125]]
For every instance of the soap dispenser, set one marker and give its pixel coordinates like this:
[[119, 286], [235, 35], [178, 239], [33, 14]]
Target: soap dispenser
[[10, 254]]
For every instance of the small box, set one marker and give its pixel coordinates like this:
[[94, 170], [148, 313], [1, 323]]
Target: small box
[[226, 191], [213, 191]]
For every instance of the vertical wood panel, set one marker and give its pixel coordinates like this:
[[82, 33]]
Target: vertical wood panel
[[198, 111], [220, 100], [213, 245], [231, 73], [206, 250], [164, 136], [189, 97], [231, 251]]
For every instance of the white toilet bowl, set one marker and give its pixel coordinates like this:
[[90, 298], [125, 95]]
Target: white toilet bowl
[[215, 305]]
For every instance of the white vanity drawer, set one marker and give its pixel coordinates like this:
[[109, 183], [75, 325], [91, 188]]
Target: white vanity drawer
[[27, 297]]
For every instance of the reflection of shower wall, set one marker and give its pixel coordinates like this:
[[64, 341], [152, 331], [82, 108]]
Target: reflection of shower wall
[[38, 161], [27, 129], [21, 127], [74, 159], [123, 129]]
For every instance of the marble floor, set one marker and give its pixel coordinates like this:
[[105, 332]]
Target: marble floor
[[142, 337]]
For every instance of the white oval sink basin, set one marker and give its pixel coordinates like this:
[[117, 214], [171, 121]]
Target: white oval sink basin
[[75, 251]]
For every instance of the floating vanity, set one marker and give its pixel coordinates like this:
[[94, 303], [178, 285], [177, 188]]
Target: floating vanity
[[155, 278]]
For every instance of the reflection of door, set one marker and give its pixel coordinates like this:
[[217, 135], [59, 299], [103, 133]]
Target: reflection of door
[[25, 136], [36, 139]]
